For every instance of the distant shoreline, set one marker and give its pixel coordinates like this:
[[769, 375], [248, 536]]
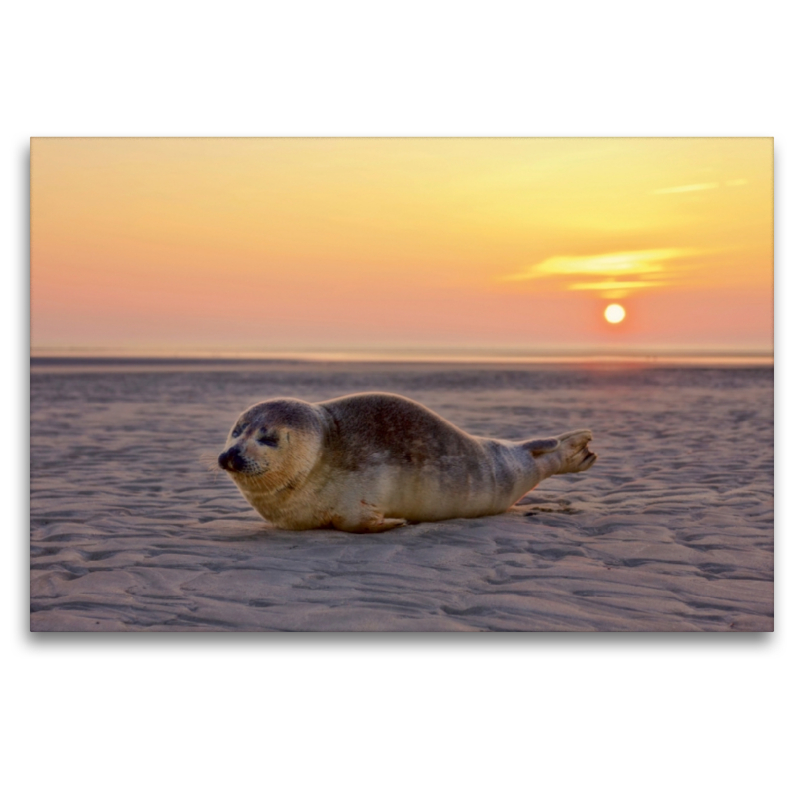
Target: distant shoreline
[[50, 360]]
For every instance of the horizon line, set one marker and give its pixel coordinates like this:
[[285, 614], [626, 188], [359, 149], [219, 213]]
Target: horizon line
[[495, 355]]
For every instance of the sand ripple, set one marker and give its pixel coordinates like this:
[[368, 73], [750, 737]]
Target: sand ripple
[[671, 530]]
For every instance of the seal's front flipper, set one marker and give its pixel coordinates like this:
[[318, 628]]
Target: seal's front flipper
[[377, 524], [384, 525], [371, 520], [538, 447]]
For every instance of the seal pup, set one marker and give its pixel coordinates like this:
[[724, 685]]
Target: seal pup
[[369, 462]]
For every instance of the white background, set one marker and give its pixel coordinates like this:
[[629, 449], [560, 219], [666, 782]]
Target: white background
[[397, 716]]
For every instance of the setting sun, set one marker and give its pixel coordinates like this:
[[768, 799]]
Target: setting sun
[[614, 313]]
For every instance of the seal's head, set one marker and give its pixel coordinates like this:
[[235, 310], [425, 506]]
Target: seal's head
[[273, 445]]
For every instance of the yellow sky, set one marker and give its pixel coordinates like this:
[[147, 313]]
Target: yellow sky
[[286, 244]]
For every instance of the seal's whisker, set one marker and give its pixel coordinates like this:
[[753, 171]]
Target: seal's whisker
[[210, 462]]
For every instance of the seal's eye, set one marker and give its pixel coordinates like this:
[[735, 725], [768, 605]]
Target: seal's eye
[[269, 439], [237, 431]]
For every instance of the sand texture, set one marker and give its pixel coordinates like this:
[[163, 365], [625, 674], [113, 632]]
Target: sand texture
[[671, 530]]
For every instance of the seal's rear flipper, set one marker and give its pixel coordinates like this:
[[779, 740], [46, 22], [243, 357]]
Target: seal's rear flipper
[[538, 447], [575, 453]]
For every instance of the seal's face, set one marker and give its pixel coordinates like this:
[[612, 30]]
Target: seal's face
[[272, 444], [248, 448]]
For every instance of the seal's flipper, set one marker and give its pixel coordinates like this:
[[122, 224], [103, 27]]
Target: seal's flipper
[[538, 447], [575, 453], [377, 524], [370, 520], [386, 524]]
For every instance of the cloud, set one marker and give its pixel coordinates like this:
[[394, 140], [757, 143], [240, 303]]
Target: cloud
[[605, 286], [692, 187], [699, 187], [618, 273], [628, 263]]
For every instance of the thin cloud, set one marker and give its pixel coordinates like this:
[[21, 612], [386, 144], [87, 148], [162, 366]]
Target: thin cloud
[[692, 187], [605, 286]]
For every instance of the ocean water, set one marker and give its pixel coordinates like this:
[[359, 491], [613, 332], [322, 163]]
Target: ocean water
[[132, 528]]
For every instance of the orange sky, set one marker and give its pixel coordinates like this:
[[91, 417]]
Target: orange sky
[[281, 245]]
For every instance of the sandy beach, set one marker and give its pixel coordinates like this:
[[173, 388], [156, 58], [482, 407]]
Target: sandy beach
[[671, 530]]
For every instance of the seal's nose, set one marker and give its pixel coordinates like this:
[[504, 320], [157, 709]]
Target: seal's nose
[[231, 460]]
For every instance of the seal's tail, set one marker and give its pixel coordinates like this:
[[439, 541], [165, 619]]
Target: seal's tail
[[568, 452]]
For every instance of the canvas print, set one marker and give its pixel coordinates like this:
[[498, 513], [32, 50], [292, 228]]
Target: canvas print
[[428, 385]]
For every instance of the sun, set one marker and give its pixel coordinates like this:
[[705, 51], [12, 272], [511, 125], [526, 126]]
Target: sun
[[614, 313]]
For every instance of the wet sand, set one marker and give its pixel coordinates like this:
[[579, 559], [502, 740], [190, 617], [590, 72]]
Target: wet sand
[[671, 530]]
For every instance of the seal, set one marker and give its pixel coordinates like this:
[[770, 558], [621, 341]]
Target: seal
[[369, 462]]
